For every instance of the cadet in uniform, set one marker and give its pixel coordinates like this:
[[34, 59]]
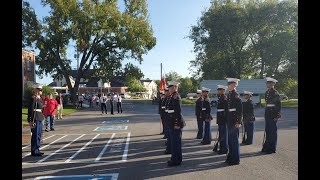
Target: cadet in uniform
[[248, 118], [166, 121], [199, 120], [271, 115], [35, 118], [161, 111], [221, 121], [206, 116], [234, 116], [176, 123]]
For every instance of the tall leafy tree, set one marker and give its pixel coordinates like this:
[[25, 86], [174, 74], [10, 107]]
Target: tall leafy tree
[[30, 25], [185, 86], [246, 39], [131, 70], [172, 76], [102, 35]]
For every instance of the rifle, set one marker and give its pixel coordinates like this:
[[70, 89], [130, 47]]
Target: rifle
[[243, 135], [215, 148]]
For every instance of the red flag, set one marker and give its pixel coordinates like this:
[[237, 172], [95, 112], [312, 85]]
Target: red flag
[[162, 84]]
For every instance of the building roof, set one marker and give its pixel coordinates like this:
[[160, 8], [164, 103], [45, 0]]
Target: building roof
[[118, 81], [53, 84], [147, 80]]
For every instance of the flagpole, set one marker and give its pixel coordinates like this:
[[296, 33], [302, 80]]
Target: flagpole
[[161, 70]]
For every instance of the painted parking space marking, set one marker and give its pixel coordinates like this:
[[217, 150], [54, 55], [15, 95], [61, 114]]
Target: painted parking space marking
[[46, 145], [113, 176], [125, 153], [113, 121], [105, 128], [105, 148], [114, 149], [40, 161], [41, 139], [74, 155]]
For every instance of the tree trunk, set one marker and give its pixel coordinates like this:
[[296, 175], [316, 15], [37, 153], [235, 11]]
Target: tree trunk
[[262, 67]]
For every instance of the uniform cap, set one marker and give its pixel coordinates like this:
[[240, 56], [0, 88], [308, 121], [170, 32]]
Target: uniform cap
[[222, 87], [248, 92], [204, 89], [269, 79], [173, 83], [233, 80]]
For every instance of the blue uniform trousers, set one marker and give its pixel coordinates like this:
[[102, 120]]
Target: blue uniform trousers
[[176, 151], [223, 137], [207, 132], [271, 135], [233, 143], [36, 137], [249, 129], [200, 128]]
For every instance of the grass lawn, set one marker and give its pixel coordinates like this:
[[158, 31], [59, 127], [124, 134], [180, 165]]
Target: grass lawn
[[24, 119], [66, 111], [188, 102], [69, 110], [285, 103]]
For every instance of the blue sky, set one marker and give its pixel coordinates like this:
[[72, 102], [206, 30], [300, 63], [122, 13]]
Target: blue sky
[[171, 21]]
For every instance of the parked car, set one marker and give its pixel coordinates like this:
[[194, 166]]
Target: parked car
[[125, 96]]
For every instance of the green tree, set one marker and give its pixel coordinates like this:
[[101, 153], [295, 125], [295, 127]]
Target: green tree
[[133, 71], [220, 39], [185, 87], [30, 25], [134, 85], [245, 39], [172, 76], [102, 35], [46, 90]]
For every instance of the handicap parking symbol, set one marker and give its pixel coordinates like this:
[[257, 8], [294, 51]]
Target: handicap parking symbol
[[105, 128]]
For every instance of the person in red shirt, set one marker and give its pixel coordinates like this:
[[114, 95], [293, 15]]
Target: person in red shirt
[[49, 111]]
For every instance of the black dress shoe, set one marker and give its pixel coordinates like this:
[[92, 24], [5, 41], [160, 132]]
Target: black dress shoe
[[38, 154], [233, 163], [199, 137], [161, 133], [167, 152], [270, 152], [164, 137], [47, 130], [174, 163], [205, 142], [51, 129], [222, 152]]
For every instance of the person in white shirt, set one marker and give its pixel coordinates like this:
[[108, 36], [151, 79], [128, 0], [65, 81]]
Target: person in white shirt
[[118, 99], [103, 101], [80, 100], [97, 101]]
